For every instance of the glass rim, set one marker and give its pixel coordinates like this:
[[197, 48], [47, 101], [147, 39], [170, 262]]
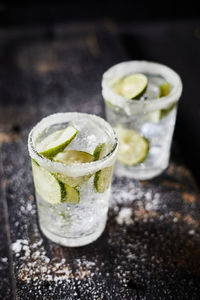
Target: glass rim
[[135, 106], [73, 170]]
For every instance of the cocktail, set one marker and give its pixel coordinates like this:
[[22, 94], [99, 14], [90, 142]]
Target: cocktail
[[141, 101], [72, 158]]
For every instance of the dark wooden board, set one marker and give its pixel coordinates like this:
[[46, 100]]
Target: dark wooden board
[[150, 248], [6, 263]]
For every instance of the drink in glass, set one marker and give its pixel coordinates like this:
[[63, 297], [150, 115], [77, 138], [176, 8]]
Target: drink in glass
[[141, 101], [72, 158]]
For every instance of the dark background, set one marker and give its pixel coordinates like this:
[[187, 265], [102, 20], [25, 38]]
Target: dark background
[[35, 12]]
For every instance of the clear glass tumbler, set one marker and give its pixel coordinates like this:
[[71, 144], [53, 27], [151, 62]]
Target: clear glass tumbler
[[72, 158], [145, 123]]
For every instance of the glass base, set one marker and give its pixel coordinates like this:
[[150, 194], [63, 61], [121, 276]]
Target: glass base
[[74, 242], [137, 173]]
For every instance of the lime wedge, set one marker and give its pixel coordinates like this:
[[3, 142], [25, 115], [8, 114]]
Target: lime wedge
[[70, 157], [47, 185], [133, 148], [56, 142], [132, 86], [72, 195], [102, 179], [164, 89], [99, 151]]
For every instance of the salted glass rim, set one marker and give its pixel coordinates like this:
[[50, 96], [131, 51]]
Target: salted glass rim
[[135, 66], [73, 170]]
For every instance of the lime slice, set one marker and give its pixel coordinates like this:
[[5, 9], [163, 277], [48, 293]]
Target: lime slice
[[165, 112], [99, 151], [47, 185], [73, 157], [51, 189], [72, 195], [133, 148], [56, 142], [154, 116], [164, 89], [70, 157], [102, 179], [73, 181], [132, 86]]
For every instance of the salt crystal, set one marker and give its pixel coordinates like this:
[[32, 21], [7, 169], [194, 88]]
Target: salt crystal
[[149, 206], [29, 206], [124, 216], [191, 232], [43, 269], [161, 217], [4, 259], [18, 245], [49, 277], [148, 196], [27, 250], [38, 243], [47, 260]]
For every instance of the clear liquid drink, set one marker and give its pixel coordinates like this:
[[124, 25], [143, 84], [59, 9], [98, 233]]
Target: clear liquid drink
[[141, 101], [72, 158]]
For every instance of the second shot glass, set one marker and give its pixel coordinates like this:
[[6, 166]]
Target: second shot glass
[[141, 101]]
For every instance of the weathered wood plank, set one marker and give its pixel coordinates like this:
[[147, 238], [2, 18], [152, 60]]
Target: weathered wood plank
[[7, 278]]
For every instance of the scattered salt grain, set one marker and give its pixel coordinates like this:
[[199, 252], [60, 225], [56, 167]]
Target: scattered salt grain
[[124, 216], [29, 207], [4, 259], [191, 232], [18, 245], [133, 192]]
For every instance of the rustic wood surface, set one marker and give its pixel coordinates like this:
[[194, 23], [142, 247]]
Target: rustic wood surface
[[151, 246]]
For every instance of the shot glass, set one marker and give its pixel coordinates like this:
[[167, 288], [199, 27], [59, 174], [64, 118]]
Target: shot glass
[[141, 100], [72, 158]]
